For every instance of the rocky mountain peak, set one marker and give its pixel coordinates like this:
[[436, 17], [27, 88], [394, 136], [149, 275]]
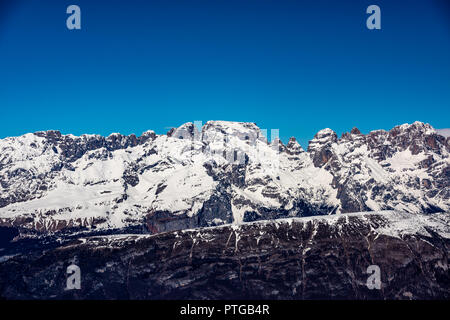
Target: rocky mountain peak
[[417, 137], [149, 134], [325, 135], [49, 134], [185, 131], [320, 146], [293, 147], [353, 135], [246, 131]]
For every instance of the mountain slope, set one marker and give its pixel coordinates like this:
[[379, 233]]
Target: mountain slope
[[297, 258]]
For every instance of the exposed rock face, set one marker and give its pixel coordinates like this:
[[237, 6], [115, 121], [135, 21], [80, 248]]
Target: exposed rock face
[[293, 147], [299, 258], [227, 172], [321, 146]]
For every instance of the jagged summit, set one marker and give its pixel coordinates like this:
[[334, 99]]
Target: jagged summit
[[293, 147], [230, 127], [325, 133]]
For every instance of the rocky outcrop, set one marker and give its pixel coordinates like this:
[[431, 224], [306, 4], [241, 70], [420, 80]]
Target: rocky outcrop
[[293, 147], [320, 147]]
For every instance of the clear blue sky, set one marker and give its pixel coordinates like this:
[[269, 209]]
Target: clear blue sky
[[298, 66]]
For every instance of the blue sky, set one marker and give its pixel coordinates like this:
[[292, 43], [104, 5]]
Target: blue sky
[[297, 66]]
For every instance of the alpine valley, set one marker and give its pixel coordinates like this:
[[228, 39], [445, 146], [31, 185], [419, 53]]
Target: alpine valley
[[220, 212]]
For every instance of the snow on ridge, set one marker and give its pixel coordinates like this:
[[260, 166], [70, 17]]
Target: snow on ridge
[[324, 133], [415, 124], [397, 224]]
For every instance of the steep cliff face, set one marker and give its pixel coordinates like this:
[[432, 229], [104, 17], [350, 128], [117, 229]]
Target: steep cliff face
[[226, 172], [297, 258]]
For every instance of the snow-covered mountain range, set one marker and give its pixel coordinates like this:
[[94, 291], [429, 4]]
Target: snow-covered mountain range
[[226, 173]]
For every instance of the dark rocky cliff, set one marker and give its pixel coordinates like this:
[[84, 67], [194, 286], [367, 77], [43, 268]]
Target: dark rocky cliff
[[300, 258]]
